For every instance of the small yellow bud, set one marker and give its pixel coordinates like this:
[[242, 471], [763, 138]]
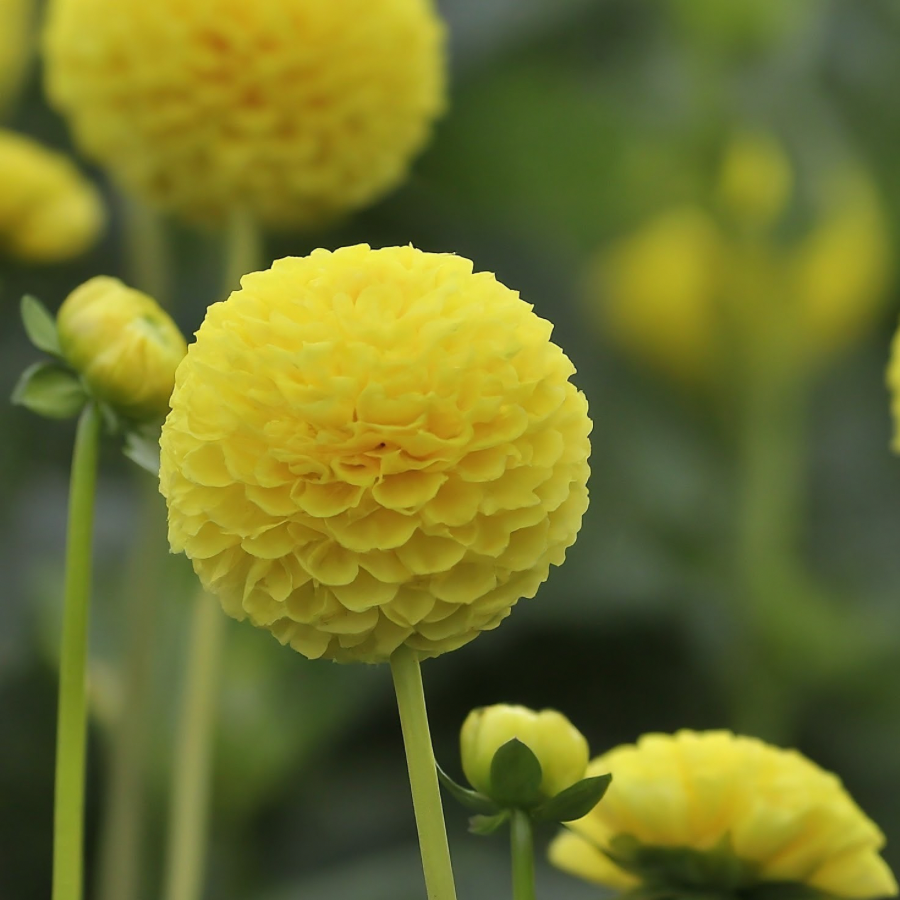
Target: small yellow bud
[[756, 180], [560, 747], [49, 212], [123, 344]]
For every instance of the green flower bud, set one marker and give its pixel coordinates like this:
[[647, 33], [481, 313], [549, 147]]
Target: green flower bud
[[559, 746], [125, 347]]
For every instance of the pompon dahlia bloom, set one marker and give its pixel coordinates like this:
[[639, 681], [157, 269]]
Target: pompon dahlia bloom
[[49, 211], [294, 110], [374, 447], [776, 814]]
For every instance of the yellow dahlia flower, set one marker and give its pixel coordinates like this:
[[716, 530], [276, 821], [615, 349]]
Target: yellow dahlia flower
[[15, 46], [123, 344], [693, 286], [49, 212], [374, 447], [559, 746], [893, 380], [294, 110], [776, 812]]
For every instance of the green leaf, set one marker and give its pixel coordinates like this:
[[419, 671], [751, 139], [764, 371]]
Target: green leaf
[[485, 825], [574, 802], [515, 776], [50, 390], [143, 450], [468, 798], [40, 326]]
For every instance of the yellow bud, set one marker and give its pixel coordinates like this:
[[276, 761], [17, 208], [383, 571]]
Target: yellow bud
[[560, 747], [756, 180], [49, 212], [123, 344], [15, 45]]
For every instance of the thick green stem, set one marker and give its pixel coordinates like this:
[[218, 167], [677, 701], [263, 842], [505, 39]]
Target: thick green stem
[[146, 250], [422, 775], [243, 249], [71, 731], [189, 811], [522, 846]]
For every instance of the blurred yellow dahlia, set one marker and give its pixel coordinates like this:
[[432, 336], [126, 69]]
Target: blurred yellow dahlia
[[695, 288], [49, 212], [374, 447], [293, 110], [15, 45], [758, 814]]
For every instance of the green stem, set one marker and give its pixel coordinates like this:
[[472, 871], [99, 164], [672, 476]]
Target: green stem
[[121, 841], [71, 732], [522, 845], [146, 250], [422, 775], [243, 249], [189, 811]]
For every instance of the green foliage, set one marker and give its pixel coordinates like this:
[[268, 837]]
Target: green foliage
[[50, 390]]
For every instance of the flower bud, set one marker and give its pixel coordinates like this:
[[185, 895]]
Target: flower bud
[[123, 344], [49, 212], [559, 746]]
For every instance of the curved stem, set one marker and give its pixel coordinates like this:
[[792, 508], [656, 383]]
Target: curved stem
[[71, 730], [422, 775], [522, 846], [189, 811]]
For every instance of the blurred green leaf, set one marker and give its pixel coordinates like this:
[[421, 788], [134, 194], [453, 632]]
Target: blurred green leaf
[[575, 801], [40, 326], [50, 391]]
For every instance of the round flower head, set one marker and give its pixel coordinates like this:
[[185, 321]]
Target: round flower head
[[15, 28], [559, 746], [123, 344], [374, 447], [774, 811], [49, 212], [294, 110]]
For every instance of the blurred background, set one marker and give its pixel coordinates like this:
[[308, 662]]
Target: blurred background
[[703, 197]]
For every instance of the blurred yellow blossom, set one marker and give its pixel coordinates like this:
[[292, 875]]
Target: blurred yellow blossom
[[123, 344], [559, 746], [49, 212], [374, 447], [778, 813], [15, 46], [293, 110], [693, 290]]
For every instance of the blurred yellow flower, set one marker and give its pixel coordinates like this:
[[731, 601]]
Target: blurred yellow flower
[[293, 110], [691, 292], [559, 746], [15, 46], [123, 344], [374, 447], [776, 811], [49, 212], [893, 380]]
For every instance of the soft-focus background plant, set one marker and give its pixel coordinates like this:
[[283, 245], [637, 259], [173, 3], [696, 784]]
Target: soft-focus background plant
[[572, 127]]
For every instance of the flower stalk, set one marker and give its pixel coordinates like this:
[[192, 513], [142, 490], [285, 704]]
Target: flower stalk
[[71, 735], [521, 834], [423, 780]]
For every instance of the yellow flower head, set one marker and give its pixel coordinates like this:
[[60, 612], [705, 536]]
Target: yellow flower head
[[49, 212], [691, 291], [123, 344], [778, 813], [559, 746], [374, 447], [15, 28], [294, 110]]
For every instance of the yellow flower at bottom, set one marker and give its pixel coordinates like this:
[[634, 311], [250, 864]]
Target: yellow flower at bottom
[[123, 344], [374, 447], [779, 813], [49, 212]]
